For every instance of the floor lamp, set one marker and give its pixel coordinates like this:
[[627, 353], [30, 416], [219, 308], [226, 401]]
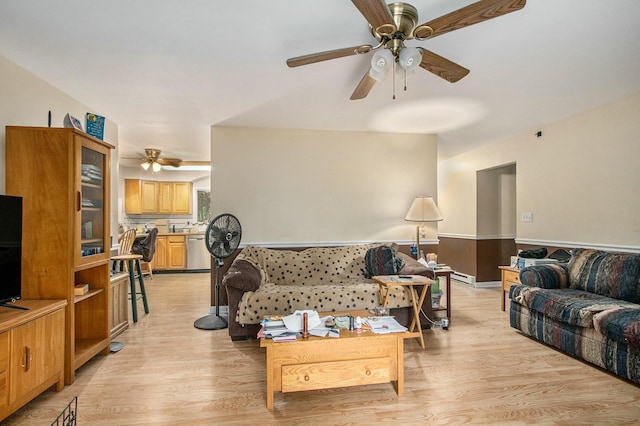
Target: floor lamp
[[423, 209]]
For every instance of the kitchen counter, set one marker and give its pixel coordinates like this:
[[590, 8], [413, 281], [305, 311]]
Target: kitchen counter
[[164, 234], [180, 251], [180, 233]]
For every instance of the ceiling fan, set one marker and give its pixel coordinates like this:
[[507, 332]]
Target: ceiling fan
[[152, 159], [393, 24]]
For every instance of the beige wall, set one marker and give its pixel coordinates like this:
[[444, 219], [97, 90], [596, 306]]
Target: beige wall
[[305, 186], [26, 101], [580, 180]]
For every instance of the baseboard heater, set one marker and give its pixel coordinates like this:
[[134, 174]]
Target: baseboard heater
[[462, 277]]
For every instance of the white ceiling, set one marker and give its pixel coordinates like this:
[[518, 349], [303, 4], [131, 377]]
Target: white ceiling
[[165, 71]]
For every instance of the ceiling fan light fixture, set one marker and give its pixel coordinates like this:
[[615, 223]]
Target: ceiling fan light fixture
[[402, 73], [409, 58], [156, 167], [145, 165], [381, 60], [377, 75]]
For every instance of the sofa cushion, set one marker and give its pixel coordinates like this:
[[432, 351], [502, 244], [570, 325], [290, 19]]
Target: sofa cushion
[[570, 306], [609, 274], [382, 260], [280, 299], [545, 276], [620, 325]]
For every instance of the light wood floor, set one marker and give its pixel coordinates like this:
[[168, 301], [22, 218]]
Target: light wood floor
[[480, 371]]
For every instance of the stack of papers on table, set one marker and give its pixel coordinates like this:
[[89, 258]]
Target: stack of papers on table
[[273, 329], [287, 329], [383, 325]]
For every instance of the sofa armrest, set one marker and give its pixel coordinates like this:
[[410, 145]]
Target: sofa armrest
[[413, 267], [242, 275], [545, 276]]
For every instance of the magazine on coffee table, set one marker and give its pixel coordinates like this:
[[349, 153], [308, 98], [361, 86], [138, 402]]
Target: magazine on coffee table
[[384, 325]]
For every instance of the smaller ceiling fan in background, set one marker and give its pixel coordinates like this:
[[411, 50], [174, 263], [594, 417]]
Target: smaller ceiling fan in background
[[395, 23], [152, 159]]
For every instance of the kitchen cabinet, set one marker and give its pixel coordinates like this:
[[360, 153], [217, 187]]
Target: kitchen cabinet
[[31, 352], [182, 192], [165, 197], [64, 178], [171, 252], [157, 197], [148, 197], [177, 251], [159, 261], [141, 196]]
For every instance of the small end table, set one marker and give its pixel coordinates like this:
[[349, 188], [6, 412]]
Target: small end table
[[446, 273], [387, 282], [510, 276]]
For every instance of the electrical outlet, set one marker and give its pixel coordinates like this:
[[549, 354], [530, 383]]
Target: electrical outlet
[[527, 217]]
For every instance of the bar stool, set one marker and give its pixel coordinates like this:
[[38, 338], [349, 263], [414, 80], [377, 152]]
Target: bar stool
[[135, 271]]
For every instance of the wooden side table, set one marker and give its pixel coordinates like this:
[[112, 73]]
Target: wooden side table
[[446, 273], [510, 276], [387, 282]]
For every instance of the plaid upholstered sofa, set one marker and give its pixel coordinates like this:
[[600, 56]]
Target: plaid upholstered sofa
[[263, 281], [588, 308]]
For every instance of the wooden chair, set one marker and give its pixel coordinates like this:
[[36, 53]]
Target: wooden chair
[[146, 247], [133, 265]]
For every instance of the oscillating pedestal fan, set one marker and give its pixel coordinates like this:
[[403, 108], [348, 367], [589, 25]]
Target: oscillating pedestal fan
[[222, 239]]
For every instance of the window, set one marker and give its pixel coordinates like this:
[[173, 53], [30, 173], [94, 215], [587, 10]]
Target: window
[[204, 206]]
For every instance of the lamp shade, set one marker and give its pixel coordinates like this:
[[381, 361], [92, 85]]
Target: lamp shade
[[146, 165], [423, 209], [156, 167]]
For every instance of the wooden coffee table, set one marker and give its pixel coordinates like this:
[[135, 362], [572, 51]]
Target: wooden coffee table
[[353, 359]]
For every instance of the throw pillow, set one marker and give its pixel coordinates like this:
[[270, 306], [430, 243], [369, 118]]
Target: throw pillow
[[382, 261]]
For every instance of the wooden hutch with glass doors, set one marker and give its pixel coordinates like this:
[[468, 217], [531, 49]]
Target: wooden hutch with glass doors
[[64, 177]]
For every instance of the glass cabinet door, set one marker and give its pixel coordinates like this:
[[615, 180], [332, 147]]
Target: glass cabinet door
[[92, 203]]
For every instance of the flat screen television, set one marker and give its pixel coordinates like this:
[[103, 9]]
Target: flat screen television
[[10, 249]]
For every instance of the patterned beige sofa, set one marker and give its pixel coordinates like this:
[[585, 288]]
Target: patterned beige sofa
[[263, 281]]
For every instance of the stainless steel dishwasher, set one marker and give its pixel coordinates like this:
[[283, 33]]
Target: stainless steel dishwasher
[[198, 257]]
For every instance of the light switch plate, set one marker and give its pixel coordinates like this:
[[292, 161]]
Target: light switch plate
[[527, 217]]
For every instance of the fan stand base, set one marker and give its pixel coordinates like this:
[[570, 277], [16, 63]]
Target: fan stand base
[[211, 322], [116, 346]]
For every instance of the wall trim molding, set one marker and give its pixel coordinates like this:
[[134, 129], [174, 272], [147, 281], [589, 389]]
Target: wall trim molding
[[606, 247], [477, 237], [335, 243], [534, 242]]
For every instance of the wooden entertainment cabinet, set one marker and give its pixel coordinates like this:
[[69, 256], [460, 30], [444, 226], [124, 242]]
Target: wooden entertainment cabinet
[[31, 352], [64, 177]]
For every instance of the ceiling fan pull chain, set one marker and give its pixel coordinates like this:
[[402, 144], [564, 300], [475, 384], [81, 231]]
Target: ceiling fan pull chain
[[405, 79], [393, 73]]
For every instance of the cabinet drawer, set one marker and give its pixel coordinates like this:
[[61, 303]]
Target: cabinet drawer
[[511, 276], [324, 375]]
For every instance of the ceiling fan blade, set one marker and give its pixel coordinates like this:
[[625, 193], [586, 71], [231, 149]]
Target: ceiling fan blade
[[469, 15], [325, 56], [442, 67], [377, 14], [173, 162], [364, 87]]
